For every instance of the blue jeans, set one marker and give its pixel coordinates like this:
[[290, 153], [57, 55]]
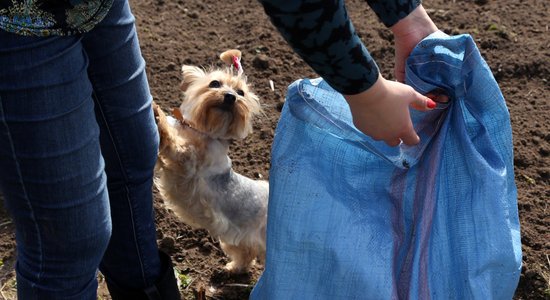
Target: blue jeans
[[78, 144]]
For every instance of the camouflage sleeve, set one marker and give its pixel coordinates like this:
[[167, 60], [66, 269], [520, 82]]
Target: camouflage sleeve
[[322, 34], [390, 12]]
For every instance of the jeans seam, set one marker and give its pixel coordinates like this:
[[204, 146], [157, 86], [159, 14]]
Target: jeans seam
[[112, 139], [19, 175]]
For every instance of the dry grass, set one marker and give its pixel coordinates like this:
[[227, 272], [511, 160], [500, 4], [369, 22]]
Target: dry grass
[[8, 284]]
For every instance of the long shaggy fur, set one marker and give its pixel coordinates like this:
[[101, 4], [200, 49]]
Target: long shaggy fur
[[194, 174]]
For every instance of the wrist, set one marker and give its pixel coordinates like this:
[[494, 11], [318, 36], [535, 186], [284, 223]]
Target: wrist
[[417, 23], [368, 96]]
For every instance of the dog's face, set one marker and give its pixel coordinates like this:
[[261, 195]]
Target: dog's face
[[218, 103]]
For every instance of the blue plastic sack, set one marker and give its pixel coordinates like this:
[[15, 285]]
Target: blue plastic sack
[[350, 218]]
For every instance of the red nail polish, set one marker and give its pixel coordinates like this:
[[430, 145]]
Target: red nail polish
[[431, 103]]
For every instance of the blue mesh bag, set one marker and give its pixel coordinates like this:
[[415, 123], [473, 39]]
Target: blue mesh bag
[[351, 218]]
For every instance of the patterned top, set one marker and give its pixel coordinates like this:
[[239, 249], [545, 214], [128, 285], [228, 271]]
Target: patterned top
[[51, 17], [322, 34]]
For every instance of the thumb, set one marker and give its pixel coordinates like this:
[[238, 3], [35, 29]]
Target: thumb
[[422, 103]]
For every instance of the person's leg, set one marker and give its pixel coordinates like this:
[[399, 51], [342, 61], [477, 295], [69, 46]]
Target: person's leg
[[129, 143], [51, 169]]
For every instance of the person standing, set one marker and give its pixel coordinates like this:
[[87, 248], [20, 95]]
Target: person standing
[[78, 145]]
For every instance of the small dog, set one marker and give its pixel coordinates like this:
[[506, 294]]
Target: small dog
[[194, 173]]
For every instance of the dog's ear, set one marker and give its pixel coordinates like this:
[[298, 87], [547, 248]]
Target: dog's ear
[[190, 74]]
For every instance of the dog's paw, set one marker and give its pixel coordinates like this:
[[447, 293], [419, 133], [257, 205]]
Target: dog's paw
[[159, 114], [235, 268], [162, 124]]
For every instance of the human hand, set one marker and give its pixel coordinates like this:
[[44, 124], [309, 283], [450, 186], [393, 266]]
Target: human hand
[[382, 111], [408, 32]]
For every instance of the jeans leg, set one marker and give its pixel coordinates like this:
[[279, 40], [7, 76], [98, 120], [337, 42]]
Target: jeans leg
[[129, 143], [51, 168]]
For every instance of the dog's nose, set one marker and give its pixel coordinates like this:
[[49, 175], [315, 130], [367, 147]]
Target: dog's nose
[[229, 99]]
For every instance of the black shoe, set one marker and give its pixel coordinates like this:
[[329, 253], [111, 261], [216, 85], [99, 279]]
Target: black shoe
[[166, 287]]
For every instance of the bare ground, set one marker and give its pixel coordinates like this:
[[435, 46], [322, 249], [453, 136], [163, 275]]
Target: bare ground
[[512, 36]]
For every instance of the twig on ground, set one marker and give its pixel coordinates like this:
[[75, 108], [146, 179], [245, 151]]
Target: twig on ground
[[214, 244], [189, 284], [3, 289], [243, 285]]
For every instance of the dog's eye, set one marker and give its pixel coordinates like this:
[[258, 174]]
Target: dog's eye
[[214, 84], [240, 92]]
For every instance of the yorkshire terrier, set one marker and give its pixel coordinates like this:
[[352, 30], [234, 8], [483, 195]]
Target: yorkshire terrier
[[194, 173]]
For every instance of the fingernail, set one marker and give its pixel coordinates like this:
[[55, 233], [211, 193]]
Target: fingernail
[[431, 103]]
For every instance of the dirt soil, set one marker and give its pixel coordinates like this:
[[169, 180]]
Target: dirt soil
[[512, 36]]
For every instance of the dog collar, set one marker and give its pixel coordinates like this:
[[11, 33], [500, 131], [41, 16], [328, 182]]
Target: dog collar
[[179, 117]]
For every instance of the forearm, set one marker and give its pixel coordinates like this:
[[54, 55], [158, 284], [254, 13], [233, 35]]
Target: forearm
[[321, 33], [392, 11]]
